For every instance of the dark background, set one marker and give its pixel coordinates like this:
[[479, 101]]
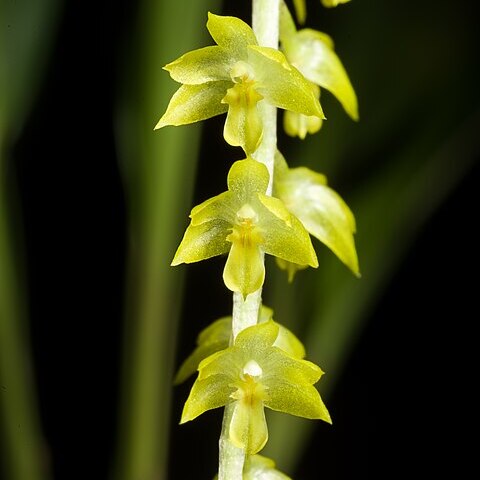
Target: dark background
[[399, 402]]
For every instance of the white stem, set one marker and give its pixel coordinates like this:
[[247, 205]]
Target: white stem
[[265, 21], [245, 312]]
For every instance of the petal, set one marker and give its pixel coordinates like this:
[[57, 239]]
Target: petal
[[231, 33], [322, 211], [218, 331], [296, 399], [280, 365], [221, 207], [247, 177], [265, 314], [243, 127], [258, 338], [333, 3], [298, 125], [193, 103], [245, 269], [312, 52], [289, 267], [210, 340], [202, 241], [206, 394], [258, 467], [248, 427], [287, 26], [300, 10], [289, 343], [200, 66], [191, 363], [281, 84], [229, 362], [283, 234]]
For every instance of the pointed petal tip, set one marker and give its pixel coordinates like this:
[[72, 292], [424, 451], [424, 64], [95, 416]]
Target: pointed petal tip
[[160, 124], [175, 262]]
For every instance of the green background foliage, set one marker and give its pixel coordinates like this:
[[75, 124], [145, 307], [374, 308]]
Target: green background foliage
[[415, 72]]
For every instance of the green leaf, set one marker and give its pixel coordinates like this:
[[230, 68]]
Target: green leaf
[[206, 394], [202, 241], [193, 103], [281, 84], [231, 33], [201, 66]]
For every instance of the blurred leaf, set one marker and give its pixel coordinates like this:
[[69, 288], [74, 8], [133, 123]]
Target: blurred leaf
[[158, 170], [26, 30]]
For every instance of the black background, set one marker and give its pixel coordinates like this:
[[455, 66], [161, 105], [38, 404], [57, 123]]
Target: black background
[[405, 389]]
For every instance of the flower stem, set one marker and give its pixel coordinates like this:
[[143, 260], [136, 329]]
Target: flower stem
[[265, 21]]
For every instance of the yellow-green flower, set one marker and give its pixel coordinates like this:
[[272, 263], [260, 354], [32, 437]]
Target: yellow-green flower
[[217, 335], [313, 53], [245, 223], [298, 125], [234, 76], [258, 467], [253, 374], [333, 3], [301, 7], [320, 209]]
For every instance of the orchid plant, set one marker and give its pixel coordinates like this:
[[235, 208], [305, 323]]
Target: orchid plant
[[247, 361]]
